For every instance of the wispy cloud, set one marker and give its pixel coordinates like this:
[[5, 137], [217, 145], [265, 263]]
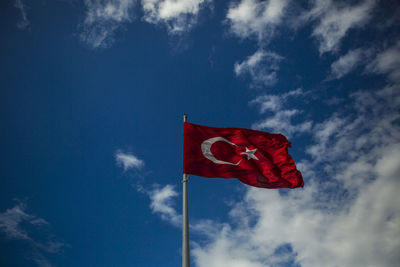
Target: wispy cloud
[[261, 66], [281, 122], [128, 161], [280, 117], [252, 18], [387, 62], [15, 222], [24, 23], [162, 204], [42, 261], [275, 102], [348, 62], [11, 219], [103, 19], [177, 15], [335, 19], [331, 20]]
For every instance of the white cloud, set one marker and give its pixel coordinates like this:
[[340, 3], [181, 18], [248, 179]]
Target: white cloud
[[128, 160], [281, 119], [347, 63], [274, 102], [268, 102], [249, 18], [348, 213], [14, 223], [332, 20], [42, 261], [103, 19], [387, 62], [161, 203], [177, 15], [24, 23], [11, 219], [281, 122], [335, 19], [261, 66], [348, 133]]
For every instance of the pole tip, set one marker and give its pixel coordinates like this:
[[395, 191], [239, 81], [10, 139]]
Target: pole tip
[[184, 117]]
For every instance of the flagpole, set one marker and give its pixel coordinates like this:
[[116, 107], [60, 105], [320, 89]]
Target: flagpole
[[185, 219]]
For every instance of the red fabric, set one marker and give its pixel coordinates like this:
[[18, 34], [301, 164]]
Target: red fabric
[[274, 168]]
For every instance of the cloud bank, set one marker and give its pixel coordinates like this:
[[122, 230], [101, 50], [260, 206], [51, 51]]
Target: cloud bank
[[348, 214]]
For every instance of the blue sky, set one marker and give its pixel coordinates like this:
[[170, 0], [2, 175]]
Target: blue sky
[[91, 104]]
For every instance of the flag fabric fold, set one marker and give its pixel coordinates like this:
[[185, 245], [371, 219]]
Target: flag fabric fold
[[256, 158]]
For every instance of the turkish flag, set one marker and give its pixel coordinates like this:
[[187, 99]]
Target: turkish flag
[[256, 158]]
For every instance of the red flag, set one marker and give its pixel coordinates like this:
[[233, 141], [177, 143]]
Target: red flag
[[256, 158]]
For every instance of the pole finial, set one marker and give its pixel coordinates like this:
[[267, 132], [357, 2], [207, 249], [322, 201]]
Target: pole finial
[[184, 117]]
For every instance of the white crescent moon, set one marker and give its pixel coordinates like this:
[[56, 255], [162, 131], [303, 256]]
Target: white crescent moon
[[206, 149]]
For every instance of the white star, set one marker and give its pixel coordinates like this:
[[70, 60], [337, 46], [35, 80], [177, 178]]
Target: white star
[[250, 153]]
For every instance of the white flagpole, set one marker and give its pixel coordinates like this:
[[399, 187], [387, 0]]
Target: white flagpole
[[185, 219]]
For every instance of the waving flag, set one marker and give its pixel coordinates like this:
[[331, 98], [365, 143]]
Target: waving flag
[[256, 158]]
